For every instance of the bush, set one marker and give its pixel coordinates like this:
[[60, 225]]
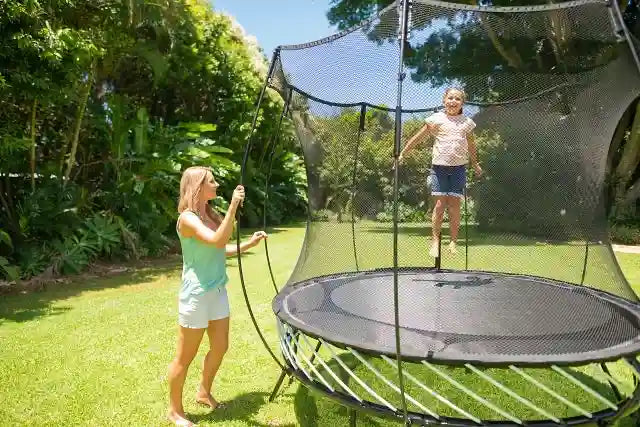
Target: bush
[[625, 234], [406, 213]]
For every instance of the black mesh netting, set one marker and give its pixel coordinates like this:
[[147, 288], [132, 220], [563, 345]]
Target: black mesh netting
[[547, 87]]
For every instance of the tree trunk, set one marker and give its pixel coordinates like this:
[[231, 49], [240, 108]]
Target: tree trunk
[[78, 125], [629, 159], [32, 161], [510, 55], [633, 194]]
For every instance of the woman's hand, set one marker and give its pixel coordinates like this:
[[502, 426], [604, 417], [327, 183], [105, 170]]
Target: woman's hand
[[478, 170], [238, 195], [257, 236]]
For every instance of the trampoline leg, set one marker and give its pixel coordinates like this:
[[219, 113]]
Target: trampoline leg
[[277, 387], [352, 417]]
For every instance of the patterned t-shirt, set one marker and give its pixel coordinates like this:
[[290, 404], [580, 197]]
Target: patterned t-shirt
[[450, 147]]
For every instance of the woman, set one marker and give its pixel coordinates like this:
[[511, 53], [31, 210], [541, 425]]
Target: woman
[[203, 302]]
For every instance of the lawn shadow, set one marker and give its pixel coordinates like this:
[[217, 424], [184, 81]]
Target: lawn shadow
[[242, 407], [31, 305]]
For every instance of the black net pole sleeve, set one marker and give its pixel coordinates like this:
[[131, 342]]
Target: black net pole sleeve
[[363, 112], [466, 232], [247, 150], [625, 30], [404, 18], [274, 148]]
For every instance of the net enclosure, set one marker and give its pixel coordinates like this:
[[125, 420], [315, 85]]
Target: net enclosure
[[534, 284]]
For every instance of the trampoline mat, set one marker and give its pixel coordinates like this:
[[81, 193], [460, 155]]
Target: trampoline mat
[[464, 317]]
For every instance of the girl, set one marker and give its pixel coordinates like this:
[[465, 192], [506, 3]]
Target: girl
[[454, 144], [203, 303]]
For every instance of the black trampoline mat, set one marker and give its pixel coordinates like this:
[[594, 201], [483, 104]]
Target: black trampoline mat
[[464, 316]]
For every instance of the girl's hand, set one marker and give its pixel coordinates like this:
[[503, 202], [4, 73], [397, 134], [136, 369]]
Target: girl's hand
[[478, 170], [257, 236], [238, 195]]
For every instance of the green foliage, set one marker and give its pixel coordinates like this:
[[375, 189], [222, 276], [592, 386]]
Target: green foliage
[[129, 94], [625, 234], [10, 271]]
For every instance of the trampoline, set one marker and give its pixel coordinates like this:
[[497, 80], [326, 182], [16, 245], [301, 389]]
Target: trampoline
[[477, 317], [531, 322]]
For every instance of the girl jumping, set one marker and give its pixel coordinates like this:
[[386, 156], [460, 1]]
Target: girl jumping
[[454, 145]]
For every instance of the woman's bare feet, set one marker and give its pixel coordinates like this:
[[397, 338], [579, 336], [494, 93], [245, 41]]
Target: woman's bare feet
[[207, 399], [179, 419]]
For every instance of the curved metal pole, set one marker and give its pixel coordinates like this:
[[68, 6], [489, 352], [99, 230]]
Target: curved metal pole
[[276, 139], [247, 150], [404, 19], [363, 112]]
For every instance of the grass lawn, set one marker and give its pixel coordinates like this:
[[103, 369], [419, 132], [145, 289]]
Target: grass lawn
[[95, 352]]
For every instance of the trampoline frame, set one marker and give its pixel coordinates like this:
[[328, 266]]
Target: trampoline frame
[[290, 367]]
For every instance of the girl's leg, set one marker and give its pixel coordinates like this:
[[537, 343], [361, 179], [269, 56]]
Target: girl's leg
[[218, 332], [453, 206], [188, 343], [436, 223]]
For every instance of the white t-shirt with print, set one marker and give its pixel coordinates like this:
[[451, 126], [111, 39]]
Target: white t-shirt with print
[[450, 147]]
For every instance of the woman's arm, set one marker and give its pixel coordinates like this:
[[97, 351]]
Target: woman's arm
[[245, 246], [191, 225]]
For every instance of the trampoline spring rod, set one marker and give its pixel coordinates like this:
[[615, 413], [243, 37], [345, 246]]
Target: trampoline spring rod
[[392, 385], [550, 392], [512, 393], [610, 378], [589, 390], [285, 352], [633, 369], [472, 394], [292, 353], [314, 370], [436, 394], [330, 371], [358, 380]]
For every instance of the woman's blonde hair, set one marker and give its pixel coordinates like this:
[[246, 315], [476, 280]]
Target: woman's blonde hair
[[190, 189]]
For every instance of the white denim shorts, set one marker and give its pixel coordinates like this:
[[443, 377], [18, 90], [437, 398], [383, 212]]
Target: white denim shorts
[[195, 311]]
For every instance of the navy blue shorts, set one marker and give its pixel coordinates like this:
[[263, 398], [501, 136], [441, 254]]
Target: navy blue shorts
[[448, 180]]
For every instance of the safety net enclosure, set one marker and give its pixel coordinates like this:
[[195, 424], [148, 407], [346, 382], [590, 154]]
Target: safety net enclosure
[[534, 291]]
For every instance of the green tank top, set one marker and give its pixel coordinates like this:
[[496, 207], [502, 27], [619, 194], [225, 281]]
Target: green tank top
[[203, 266]]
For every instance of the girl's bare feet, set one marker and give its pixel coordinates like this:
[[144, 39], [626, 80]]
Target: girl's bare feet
[[179, 419], [207, 399]]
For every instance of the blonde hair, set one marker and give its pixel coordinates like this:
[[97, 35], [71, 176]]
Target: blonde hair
[[464, 95], [190, 189]]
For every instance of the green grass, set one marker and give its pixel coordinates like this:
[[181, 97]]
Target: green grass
[[95, 352]]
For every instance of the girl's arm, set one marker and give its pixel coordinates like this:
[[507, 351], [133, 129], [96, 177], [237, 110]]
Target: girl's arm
[[245, 246], [426, 129], [191, 225]]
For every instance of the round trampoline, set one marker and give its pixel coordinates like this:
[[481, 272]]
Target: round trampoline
[[464, 316], [530, 321]]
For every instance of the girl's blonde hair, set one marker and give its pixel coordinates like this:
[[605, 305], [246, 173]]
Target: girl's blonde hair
[[457, 89], [190, 189]]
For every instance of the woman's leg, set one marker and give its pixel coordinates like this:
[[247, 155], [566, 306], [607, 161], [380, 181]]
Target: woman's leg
[[218, 332], [436, 223], [188, 343], [453, 207]]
